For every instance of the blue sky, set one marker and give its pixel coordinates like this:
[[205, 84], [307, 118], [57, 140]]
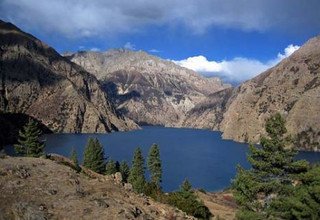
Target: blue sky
[[233, 39]]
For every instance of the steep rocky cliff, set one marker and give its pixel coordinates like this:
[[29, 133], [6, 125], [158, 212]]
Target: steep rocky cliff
[[37, 81], [208, 113], [292, 88], [145, 88]]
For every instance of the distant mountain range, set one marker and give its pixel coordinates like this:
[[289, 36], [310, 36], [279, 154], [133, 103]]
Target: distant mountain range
[[150, 90], [145, 88], [107, 91]]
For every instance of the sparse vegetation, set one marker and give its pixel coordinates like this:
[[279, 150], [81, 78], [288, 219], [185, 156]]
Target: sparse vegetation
[[188, 202]]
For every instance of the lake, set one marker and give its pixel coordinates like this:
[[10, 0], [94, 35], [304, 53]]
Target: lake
[[202, 156]]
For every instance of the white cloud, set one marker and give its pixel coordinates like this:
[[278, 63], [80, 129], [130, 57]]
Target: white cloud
[[200, 64], [82, 18], [288, 51], [95, 49], [154, 51], [129, 46], [235, 70]]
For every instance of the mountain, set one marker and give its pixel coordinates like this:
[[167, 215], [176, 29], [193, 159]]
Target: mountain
[[36, 81], [292, 88], [147, 89]]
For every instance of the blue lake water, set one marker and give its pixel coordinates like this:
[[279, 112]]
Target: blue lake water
[[202, 156]]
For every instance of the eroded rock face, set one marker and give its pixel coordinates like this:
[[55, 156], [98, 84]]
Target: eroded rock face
[[147, 89], [37, 81], [292, 88], [208, 114]]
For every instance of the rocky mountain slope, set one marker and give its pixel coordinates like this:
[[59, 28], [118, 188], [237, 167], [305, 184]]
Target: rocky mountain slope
[[208, 113], [37, 81], [35, 188], [292, 88], [145, 88]]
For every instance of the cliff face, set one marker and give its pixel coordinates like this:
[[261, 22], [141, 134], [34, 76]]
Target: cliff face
[[147, 89], [208, 113], [37, 81], [292, 88]]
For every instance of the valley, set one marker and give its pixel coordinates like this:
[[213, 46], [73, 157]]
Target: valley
[[129, 134]]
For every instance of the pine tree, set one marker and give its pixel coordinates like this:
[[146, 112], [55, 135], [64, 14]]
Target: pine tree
[[188, 202], [29, 143], [186, 186], [124, 170], [74, 158], [136, 176], [111, 167], [94, 156], [154, 165], [304, 200], [117, 166], [272, 172]]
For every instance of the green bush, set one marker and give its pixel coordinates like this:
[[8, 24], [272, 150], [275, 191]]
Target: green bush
[[188, 202]]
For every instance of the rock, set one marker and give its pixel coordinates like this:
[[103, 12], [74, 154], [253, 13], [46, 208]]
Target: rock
[[108, 178], [118, 178], [128, 186], [22, 172], [52, 192], [100, 203], [87, 211], [22, 210], [42, 207], [121, 211], [136, 212]]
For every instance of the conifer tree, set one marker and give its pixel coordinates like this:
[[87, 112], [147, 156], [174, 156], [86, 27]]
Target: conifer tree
[[303, 201], [111, 167], [188, 202], [186, 186], [74, 158], [124, 170], [94, 156], [117, 166], [29, 143], [154, 165], [272, 172], [136, 176]]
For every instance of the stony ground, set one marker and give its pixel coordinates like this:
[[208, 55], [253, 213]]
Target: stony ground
[[221, 204], [38, 188], [33, 188]]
